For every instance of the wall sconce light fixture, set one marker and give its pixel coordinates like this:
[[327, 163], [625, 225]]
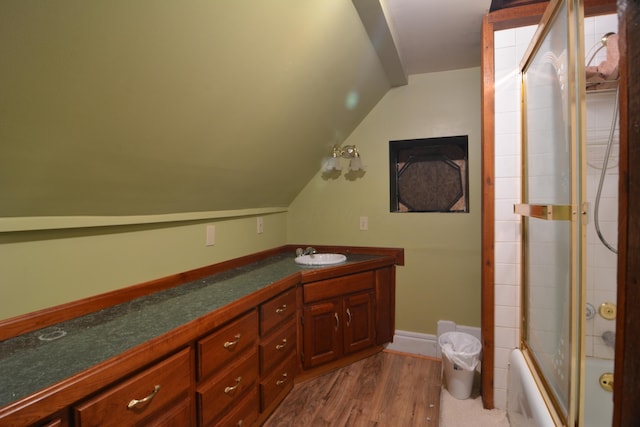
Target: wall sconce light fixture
[[332, 161]]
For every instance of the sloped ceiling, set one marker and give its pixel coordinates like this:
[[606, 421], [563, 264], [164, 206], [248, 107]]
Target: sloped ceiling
[[129, 107]]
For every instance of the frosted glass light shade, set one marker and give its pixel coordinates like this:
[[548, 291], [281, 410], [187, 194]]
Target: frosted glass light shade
[[331, 163], [355, 164]]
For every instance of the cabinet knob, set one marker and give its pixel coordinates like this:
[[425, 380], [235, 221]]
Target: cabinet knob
[[230, 389], [283, 380], [282, 345], [136, 402], [230, 344]]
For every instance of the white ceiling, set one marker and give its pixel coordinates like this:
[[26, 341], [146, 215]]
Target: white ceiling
[[436, 35]]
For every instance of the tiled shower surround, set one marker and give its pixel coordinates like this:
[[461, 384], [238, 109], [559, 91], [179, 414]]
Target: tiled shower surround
[[510, 46]]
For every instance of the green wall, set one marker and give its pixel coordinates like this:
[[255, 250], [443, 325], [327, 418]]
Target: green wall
[[441, 278], [39, 269], [171, 106]]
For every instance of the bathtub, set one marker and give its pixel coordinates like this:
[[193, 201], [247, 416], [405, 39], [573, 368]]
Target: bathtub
[[526, 408], [598, 404]]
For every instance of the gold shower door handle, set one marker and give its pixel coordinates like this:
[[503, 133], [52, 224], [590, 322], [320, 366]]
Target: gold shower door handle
[[546, 212]]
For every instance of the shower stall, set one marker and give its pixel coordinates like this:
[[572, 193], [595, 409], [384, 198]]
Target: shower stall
[[568, 212]]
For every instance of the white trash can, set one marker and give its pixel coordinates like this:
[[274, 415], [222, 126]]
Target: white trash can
[[460, 357]]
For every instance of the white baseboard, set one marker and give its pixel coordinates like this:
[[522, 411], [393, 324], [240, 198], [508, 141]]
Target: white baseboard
[[414, 343], [427, 344]]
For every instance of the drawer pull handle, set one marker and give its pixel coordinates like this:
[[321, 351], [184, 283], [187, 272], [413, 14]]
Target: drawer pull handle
[[136, 402], [283, 380], [230, 344], [348, 317], [282, 345], [239, 424], [281, 309], [228, 390], [337, 320]]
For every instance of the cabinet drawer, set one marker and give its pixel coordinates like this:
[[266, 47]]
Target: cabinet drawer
[[178, 415], [339, 286], [226, 344], [227, 388], [171, 378], [277, 310], [276, 386], [245, 413], [277, 347]]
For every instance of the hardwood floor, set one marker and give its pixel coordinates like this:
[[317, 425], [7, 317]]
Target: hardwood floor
[[386, 389]]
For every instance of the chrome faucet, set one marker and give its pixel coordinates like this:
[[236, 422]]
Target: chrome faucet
[[308, 251]]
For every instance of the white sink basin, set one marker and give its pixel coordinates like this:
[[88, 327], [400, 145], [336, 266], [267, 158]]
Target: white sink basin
[[320, 259]]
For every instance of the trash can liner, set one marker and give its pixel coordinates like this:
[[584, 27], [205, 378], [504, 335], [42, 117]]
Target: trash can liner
[[462, 349]]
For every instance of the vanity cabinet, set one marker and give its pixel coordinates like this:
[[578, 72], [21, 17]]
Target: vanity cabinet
[[159, 395], [228, 372], [338, 317], [232, 365], [278, 342]]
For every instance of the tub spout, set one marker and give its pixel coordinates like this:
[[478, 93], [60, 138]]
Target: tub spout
[[609, 338]]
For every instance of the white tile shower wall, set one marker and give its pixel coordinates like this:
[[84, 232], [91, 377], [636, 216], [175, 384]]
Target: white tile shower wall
[[601, 263], [509, 48]]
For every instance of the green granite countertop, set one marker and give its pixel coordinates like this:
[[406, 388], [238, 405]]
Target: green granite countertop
[[35, 360]]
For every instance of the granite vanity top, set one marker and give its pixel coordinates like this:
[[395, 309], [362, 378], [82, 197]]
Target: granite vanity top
[[41, 358]]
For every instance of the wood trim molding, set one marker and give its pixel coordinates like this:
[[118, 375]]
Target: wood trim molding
[[626, 393], [487, 298], [499, 20]]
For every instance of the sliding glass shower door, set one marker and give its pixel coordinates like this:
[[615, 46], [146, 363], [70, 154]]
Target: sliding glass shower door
[[551, 208]]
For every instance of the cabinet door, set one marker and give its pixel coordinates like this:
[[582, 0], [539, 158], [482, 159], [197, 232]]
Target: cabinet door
[[226, 344], [225, 390], [358, 315], [277, 311], [57, 422], [385, 307], [322, 332], [277, 347], [275, 387], [141, 398]]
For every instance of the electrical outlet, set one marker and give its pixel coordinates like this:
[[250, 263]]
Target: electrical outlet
[[211, 235], [260, 225], [364, 223]]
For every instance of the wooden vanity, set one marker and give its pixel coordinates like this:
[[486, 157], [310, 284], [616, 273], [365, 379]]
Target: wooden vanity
[[272, 323]]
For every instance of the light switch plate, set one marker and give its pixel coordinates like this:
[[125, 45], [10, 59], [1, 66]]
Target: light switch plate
[[211, 235], [364, 223]]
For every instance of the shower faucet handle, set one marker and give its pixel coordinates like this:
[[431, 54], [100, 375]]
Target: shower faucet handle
[[607, 310]]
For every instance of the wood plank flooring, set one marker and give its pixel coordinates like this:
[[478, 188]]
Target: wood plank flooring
[[386, 389]]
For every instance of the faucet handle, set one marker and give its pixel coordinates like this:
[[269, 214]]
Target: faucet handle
[[299, 252]]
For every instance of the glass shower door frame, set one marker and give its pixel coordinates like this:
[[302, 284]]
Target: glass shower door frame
[[552, 209]]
